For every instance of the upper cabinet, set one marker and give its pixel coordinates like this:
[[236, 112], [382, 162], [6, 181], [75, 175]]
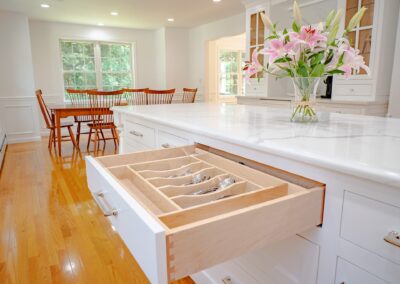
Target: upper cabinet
[[375, 38], [255, 36], [361, 36]]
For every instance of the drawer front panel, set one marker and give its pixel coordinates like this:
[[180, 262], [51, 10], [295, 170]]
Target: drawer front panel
[[140, 134], [355, 90], [278, 264], [365, 222], [143, 236], [167, 140], [133, 146], [349, 273], [229, 273]]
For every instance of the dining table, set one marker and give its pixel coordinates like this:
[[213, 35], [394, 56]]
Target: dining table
[[60, 111]]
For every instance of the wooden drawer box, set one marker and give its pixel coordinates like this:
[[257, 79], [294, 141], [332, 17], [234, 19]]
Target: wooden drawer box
[[144, 135], [366, 222], [172, 232]]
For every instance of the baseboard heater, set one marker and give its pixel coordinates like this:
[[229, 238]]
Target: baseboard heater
[[3, 146]]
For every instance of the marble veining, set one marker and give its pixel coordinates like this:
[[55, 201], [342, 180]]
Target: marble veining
[[365, 146]]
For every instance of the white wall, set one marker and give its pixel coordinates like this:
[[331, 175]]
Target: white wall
[[394, 103], [160, 57], [177, 58], [18, 107], [47, 65], [198, 46]]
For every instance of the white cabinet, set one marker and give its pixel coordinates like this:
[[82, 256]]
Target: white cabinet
[[347, 273], [375, 37]]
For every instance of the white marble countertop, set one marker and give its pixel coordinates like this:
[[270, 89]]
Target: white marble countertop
[[364, 146], [320, 100]]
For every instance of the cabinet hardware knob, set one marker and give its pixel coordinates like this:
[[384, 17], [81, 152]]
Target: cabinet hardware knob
[[393, 238], [138, 134], [351, 90], [166, 145], [227, 280]]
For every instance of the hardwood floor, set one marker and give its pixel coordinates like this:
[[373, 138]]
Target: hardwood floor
[[51, 231]]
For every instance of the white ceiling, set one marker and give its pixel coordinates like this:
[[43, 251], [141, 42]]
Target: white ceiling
[[146, 14]]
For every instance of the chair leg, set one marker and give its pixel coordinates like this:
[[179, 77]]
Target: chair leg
[[50, 139], [55, 140], [90, 137], [114, 137], [96, 137], [71, 134], [78, 133], [102, 136]]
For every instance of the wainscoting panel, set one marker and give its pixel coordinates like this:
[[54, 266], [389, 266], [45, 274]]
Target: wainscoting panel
[[20, 119]]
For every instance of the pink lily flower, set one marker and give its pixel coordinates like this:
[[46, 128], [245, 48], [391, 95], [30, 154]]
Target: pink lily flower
[[310, 36], [254, 67], [278, 48]]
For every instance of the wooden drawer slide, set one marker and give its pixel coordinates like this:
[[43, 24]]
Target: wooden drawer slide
[[186, 230]]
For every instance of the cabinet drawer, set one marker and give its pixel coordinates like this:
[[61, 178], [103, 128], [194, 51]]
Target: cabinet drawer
[[173, 230], [347, 273], [167, 140], [227, 273], [355, 90], [365, 222], [140, 134]]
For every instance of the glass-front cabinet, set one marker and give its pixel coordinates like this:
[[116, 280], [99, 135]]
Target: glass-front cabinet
[[375, 38], [255, 36], [361, 36]]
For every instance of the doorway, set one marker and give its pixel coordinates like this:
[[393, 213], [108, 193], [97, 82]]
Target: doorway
[[226, 58]]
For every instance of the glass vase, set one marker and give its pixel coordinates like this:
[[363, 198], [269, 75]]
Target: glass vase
[[305, 94]]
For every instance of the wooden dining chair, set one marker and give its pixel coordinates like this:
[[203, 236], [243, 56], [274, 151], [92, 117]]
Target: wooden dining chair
[[135, 96], [155, 97], [189, 95], [102, 116], [50, 124], [79, 97]]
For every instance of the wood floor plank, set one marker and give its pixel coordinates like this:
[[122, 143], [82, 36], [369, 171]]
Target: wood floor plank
[[51, 230]]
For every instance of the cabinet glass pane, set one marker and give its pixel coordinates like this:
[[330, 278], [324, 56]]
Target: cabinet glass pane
[[253, 29], [352, 38], [350, 12], [260, 29], [364, 44], [368, 18]]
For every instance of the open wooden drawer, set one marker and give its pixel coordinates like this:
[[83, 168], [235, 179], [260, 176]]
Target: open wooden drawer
[[173, 231]]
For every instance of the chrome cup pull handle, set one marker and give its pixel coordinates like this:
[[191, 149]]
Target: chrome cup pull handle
[[98, 197], [227, 280], [135, 133], [393, 238]]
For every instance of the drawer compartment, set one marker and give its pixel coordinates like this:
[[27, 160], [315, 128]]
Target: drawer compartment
[[382, 219], [197, 209], [349, 273], [140, 134], [167, 140]]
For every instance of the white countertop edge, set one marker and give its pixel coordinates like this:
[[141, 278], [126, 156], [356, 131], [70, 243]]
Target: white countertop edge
[[367, 172]]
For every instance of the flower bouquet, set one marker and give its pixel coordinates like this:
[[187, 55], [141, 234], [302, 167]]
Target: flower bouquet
[[306, 54]]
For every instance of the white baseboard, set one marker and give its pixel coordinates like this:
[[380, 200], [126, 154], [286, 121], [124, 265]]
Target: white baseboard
[[23, 140]]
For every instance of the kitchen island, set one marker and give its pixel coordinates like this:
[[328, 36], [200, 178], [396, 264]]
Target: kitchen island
[[357, 158]]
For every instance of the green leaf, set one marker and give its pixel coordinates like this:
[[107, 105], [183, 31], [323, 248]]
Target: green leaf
[[301, 70], [336, 71], [295, 27], [283, 59], [285, 31], [318, 70], [317, 58]]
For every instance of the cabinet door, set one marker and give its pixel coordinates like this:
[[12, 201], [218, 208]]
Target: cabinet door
[[361, 36], [347, 273]]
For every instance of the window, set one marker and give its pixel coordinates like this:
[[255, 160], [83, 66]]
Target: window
[[96, 65], [231, 80]]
